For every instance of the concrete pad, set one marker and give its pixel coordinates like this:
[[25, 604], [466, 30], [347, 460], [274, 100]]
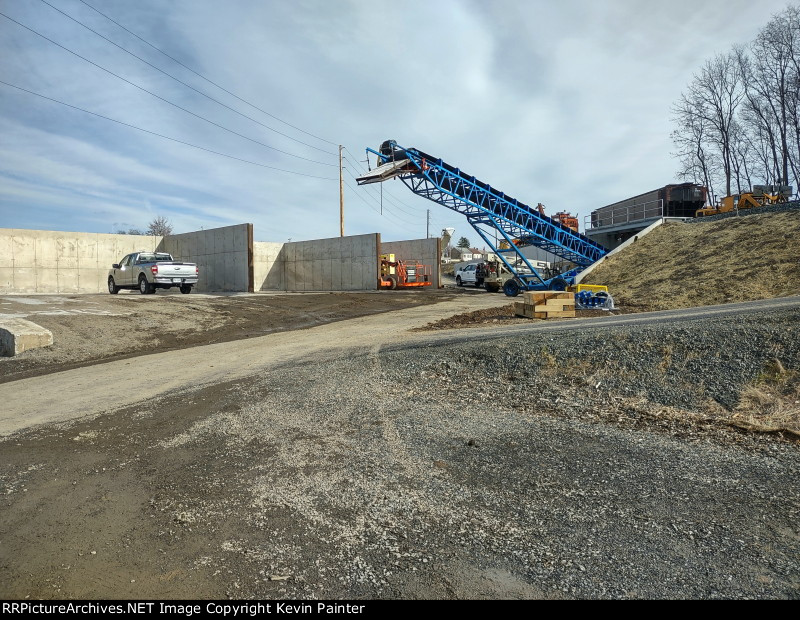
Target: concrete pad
[[18, 335]]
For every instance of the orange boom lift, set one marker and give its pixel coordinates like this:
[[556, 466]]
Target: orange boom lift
[[403, 274]]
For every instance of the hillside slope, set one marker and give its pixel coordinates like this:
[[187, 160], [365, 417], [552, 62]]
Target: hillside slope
[[703, 263]]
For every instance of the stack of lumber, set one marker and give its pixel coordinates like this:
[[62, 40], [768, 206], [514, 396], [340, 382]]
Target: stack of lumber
[[546, 305]]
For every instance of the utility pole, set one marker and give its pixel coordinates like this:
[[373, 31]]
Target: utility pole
[[428, 226], [341, 195]]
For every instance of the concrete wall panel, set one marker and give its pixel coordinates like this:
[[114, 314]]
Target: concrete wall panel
[[336, 275], [33, 261], [221, 255], [326, 272], [6, 278], [45, 251], [43, 261], [268, 266], [23, 248], [46, 279], [68, 279], [335, 264], [6, 253], [67, 253]]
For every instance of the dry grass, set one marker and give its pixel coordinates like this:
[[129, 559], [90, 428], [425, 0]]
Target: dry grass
[[700, 264], [772, 403]]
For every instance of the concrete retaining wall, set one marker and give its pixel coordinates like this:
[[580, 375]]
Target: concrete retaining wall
[[42, 261], [336, 264], [221, 254], [426, 251], [269, 265], [36, 261]]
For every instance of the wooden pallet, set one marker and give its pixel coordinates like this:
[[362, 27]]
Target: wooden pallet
[[546, 305]]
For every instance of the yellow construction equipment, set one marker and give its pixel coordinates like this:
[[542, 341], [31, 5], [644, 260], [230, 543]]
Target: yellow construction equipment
[[759, 196]]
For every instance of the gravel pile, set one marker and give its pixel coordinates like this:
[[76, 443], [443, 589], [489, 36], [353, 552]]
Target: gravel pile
[[685, 365]]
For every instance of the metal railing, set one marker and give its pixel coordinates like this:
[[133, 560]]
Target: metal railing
[[623, 215]]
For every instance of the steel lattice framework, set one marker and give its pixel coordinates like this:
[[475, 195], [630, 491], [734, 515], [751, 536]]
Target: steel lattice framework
[[490, 211]]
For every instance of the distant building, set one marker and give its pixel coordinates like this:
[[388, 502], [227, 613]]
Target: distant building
[[461, 254]]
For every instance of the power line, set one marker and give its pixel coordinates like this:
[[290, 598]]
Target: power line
[[386, 213], [384, 210], [391, 196], [376, 199], [205, 78], [184, 83], [153, 133], [371, 207], [162, 98]]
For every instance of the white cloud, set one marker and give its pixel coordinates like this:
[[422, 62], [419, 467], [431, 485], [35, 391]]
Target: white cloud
[[563, 103]]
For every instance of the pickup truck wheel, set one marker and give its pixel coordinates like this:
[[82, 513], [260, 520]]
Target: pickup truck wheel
[[186, 289], [145, 288], [112, 287], [458, 281]]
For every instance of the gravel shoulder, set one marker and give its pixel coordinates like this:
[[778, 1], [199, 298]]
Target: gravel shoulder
[[589, 461]]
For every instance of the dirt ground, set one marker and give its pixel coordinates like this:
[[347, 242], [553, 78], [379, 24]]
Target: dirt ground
[[706, 263], [89, 329], [358, 460], [335, 446]]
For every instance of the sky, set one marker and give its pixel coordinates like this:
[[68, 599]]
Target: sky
[[565, 103]]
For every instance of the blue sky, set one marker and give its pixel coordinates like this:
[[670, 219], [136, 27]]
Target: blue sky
[[565, 103]]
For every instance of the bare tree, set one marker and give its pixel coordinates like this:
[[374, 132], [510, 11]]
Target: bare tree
[[716, 93], [773, 52], [739, 118], [130, 231], [160, 226], [690, 139]]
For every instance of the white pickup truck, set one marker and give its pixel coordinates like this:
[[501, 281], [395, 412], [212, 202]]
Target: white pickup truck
[[148, 271], [467, 274]]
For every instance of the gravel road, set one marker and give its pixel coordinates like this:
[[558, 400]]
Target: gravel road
[[585, 461]]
